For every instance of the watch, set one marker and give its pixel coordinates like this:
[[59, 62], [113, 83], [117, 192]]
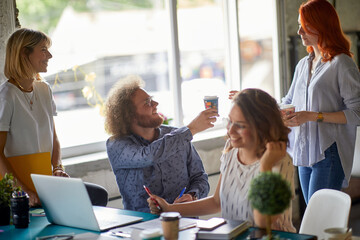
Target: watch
[[320, 117]]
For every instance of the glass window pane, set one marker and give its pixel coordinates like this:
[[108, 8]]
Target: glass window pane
[[256, 29], [95, 43], [202, 53]]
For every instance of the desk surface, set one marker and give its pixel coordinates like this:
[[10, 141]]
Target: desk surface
[[39, 226]]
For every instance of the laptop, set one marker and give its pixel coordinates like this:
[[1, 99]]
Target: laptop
[[66, 202]]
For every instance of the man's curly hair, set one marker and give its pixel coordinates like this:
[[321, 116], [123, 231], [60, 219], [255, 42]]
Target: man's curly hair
[[120, 109]]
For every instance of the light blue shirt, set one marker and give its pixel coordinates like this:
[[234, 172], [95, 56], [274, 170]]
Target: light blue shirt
[[334, 86], [165, 166]]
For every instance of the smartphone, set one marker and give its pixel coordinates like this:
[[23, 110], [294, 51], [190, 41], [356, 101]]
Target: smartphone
[[256, 234], [210, 224]]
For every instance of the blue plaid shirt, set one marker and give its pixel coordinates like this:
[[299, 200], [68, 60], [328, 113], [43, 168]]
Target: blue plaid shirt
[[165, 166]]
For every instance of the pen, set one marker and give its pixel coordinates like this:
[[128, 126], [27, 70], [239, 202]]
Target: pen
[[182, 192], [153, 199]]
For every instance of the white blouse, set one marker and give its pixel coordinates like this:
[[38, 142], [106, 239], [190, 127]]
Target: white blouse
[[235, 184], [30, 127]]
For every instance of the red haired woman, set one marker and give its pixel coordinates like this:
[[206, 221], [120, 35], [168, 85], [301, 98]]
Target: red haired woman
[[326, 93]]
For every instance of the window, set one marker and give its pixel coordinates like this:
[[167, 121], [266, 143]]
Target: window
[[202, 56], [97, 42], [255, 31]]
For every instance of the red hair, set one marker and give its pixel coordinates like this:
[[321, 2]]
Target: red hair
[[321, 16]]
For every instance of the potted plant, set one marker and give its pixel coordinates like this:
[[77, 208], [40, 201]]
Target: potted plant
[[7, 187], [270, 194], [166, 119]]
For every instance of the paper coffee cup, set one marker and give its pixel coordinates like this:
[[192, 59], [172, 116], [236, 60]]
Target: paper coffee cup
[[170, 225], [338, 233], [211, 102], [286, 109]]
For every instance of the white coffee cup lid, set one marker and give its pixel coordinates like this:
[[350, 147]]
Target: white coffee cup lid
[[210, 97], [169, 216], [285, 106]]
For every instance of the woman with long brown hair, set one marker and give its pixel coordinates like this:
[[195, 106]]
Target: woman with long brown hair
[[257, 143]]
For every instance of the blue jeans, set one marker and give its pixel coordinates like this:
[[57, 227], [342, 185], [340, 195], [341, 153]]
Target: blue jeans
[[327, 173]]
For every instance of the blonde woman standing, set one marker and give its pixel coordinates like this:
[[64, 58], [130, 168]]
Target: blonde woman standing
[[27, 108]]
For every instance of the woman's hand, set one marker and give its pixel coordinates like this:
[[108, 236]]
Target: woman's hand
[[34, 200], [164, 206], [275, 151], [185, 198], [232, 94], [60, 173], [297, 118]]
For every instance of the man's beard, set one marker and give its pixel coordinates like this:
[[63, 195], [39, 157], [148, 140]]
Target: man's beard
[[146, 122]]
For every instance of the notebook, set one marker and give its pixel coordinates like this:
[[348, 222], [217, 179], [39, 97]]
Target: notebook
[[228, 230], [66, 202], [24, 165]]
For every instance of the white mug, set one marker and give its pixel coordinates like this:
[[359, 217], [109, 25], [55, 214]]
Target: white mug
[[338, 233]]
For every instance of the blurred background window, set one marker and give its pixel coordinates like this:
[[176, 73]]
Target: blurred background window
[[94, 44], [202, 55], [256, 27], [97, 42]]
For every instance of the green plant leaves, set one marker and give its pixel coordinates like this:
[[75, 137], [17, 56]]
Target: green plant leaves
[[7, 187], [269, 193]]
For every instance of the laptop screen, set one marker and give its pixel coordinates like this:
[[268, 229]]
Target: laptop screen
[[66, 202]]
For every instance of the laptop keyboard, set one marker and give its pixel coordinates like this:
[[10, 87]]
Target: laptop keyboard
[[109, 220]]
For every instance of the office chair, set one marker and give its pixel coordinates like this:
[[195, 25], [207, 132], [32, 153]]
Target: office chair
[[98, 194], [327, 208]]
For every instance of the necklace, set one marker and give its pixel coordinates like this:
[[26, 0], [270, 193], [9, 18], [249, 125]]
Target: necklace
[[313, 65], [21, 87], [29, 100]]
